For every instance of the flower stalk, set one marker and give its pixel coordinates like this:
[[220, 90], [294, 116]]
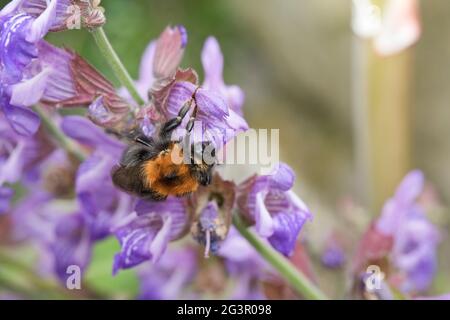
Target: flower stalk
[[116, 65], [381, 84], [36, 282], [54, 131], [299, 282]]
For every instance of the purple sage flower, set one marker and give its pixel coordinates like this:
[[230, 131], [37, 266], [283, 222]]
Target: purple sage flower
[[160, 61], [245, 264], [333, 257], [32, 70], [415, 238], [100, 202], [6, 195], [18, 155], [278, 213], [219, 106], [22, 78], [147, 231], [168, 279], [65, 231], [70, 14], [58, 234], [212, 60], [72, 245]]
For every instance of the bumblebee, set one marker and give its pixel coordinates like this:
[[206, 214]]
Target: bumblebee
[[148, 170]]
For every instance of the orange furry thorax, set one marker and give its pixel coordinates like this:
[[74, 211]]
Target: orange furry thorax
[[169, 177]]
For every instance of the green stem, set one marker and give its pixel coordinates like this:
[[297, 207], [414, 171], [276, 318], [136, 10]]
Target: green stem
[[116, 65], [37, 282], [11, 286], [293, 276], [54, 131]]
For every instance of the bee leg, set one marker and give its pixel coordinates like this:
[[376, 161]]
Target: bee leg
[[173, 123], [181, 195], [191, 122], [152, 195]]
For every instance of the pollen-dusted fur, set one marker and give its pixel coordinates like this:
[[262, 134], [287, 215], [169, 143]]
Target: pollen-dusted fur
[[155, 167], [167, 178]]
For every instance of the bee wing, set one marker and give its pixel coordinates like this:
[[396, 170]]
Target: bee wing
[[128, 178], [131, 180]]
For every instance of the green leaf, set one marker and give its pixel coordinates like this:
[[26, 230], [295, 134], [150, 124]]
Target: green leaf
[[99, 276]]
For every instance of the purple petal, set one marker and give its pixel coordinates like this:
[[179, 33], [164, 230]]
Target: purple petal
[[391, 217], [333, 257], [11, 170], [159, 243], [410, 187], [208, 215], [172, 206], [64, 11], [33, 218], [287, 226], [41, 25], [135, 240], [97, 111], [72, 245], [236, 122], [169, 52], [237, 250], [93, 184], [278, 212], [87, 133], [210, 105], [212, 60], [168, 278], [421, 277], [282, 178], [147, 235], [415, 251], [236, 98], [10, 7], [263, 219], [24, 121], [141, 88], [16, 53], [30, 91], [6, 195], [146, 76], [60, 85], [180, 93], [218, 123], [396, 209], [209, 232], [279, 217], [184, 36], [299, 204], [147, 126], [102, 116]]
